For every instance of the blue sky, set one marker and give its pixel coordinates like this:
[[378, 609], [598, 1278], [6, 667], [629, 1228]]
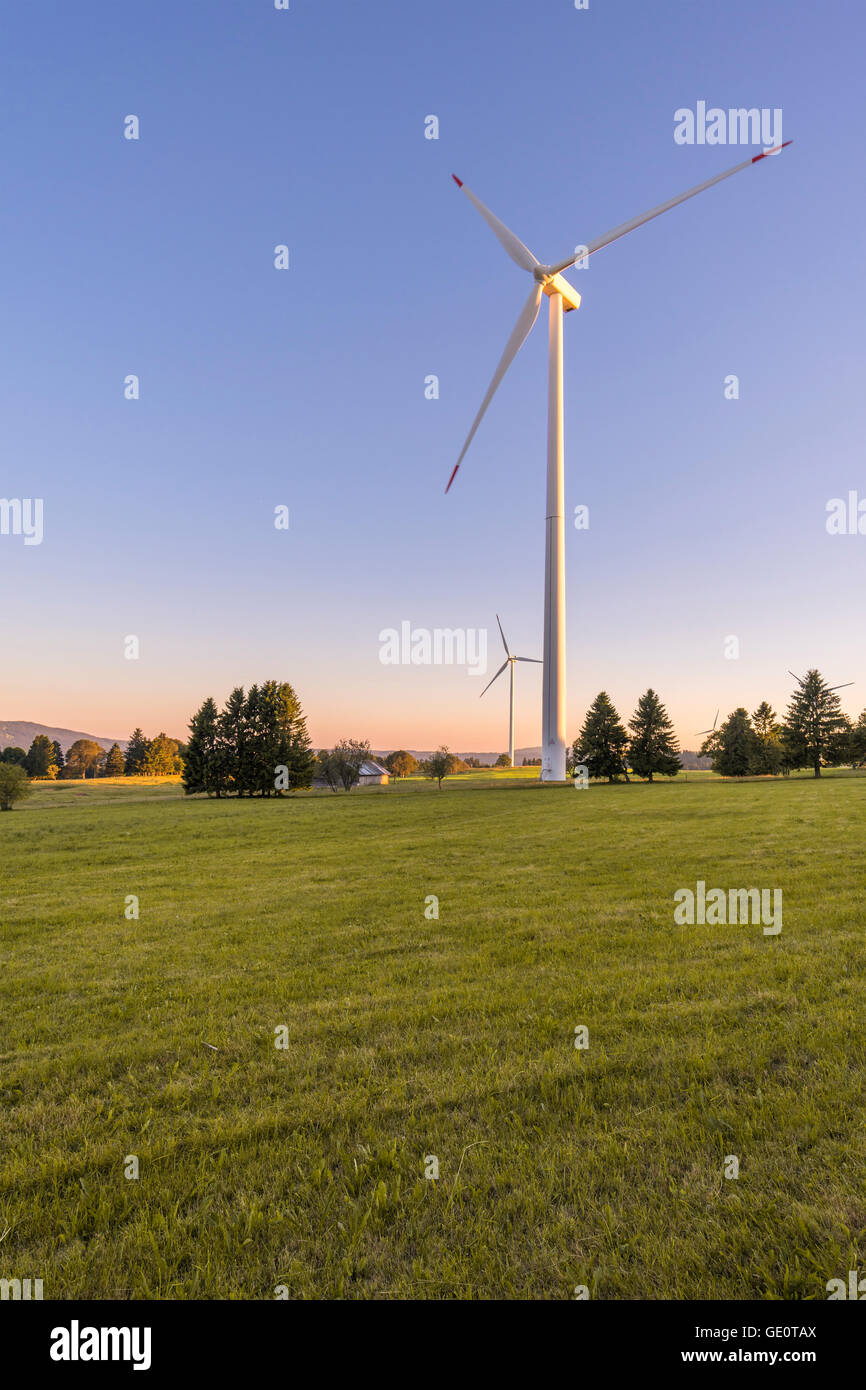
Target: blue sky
[[305, 387]]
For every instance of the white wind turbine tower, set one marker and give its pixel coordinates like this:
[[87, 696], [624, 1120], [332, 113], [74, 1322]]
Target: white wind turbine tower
[[509, 661], [563, 297]]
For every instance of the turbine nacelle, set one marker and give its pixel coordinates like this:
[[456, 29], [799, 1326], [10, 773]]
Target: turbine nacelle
[[553, 283]]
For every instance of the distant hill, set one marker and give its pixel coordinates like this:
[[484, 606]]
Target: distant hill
[[488, 759], [20, 734]]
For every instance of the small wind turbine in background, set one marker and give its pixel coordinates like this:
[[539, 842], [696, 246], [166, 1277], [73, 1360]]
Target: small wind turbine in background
[[563, 297], [509, 661], [701, 732], [843, 686]]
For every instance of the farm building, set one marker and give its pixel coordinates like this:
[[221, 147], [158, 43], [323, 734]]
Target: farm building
[[372, 774]]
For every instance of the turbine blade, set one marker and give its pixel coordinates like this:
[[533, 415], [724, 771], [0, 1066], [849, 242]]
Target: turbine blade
[[519, 334], [844, 686], [502, 635], [535, 659], [715, 721], [796, 678], [624, 227], [519, 253], [496, 677]]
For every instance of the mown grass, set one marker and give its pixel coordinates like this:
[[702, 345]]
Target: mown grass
[[410, 1036]]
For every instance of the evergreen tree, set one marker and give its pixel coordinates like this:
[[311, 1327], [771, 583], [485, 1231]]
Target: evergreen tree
[[769, 753], [40, 758], [736, 749], [135, 762], [653, 747], [201, 768], [857, 742], [58, 755], [815, 728], [232, 728], [244, 748], [602, 742], [294, 749], [162, 759], [115, 763]]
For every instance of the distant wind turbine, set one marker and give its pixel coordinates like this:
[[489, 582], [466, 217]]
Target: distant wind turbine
[[509, 661], [709, 731], [563, 297], [843, 686]]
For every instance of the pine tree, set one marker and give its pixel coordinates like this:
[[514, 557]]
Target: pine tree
[[815, 728], [58, 758], [201, 768], [293, 748], [857, 742], [232, 731], [40, 758], [162, 759], [135, 761], [115, 762], [602, 742], [653, 747], [736, 750], [769, 754]]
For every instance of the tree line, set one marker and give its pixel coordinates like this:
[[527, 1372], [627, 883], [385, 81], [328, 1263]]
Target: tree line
[[85, 758], [813, 734]]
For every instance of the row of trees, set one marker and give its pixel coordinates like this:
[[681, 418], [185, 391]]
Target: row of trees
[[45, 760], [606, 749], [258, 743], [814, 734]]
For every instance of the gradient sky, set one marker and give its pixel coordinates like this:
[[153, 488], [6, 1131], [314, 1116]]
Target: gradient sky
[[306, 387]]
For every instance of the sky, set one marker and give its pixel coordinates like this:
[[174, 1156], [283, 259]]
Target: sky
[[307, 388]]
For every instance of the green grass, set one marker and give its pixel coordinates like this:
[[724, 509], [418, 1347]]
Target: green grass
[[410, 1037]]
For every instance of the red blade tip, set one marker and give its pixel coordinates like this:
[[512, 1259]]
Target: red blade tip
[[774, 150], [459, 182], [453, 476]]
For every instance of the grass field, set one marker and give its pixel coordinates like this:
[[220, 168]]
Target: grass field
[[410, 1036]]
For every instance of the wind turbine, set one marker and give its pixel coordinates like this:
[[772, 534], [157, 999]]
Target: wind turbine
[[709, 731], [548, 279], [509, 661], [843, 686]]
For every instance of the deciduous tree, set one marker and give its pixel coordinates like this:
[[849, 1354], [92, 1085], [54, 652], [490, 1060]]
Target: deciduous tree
[[14, 785]]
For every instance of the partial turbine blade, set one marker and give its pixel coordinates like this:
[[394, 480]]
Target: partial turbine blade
[[844, 686], [796, 678], [496, 677], [519, 253], [520, 332], [535, 659], [663, 207], [502, 635], [715, 721]]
